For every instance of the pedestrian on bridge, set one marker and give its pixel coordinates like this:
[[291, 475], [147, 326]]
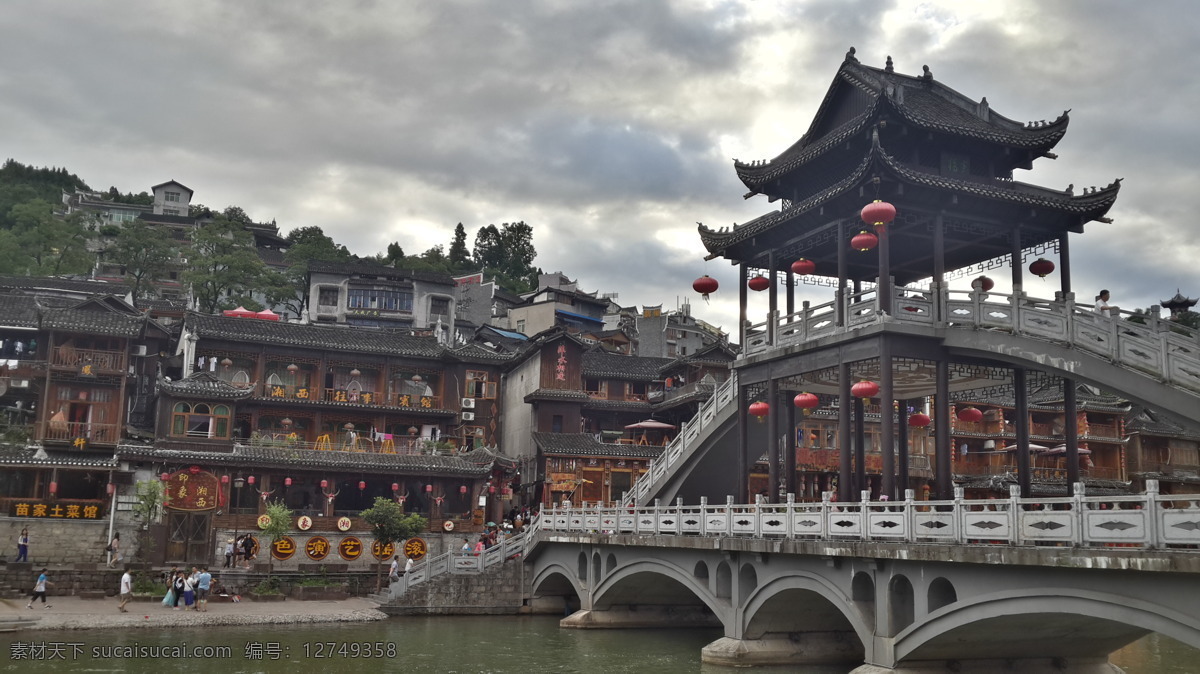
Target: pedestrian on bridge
[[1104, 308]]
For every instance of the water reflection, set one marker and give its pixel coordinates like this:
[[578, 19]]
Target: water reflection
[[496, 645]]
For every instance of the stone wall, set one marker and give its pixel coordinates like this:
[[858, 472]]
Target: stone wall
[[17, 580], [499, 590], [59, 541], [437, 544]]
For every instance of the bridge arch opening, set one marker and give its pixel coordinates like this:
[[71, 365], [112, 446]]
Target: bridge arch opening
[[701, 571], [862, 593], [650, 594], [901, 608], [610, 563], [811, 615], [747, 581], [941, 594], [596, 568], [724, 589], [582, 564], [554, 593]]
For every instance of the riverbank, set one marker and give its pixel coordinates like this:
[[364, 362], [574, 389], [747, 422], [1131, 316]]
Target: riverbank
[[73, 613]]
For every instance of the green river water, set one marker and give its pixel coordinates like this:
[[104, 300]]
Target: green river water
[[498, 645]]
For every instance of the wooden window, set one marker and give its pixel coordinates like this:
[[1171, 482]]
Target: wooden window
[[635, 390], [478, 385], [200, 420], [597, 388]]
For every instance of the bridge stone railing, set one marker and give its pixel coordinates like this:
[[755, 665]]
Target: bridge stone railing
[[690, 437], [1150, 520], [1165, 351], [458, 562]]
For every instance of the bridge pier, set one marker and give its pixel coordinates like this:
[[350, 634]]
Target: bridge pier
[[641, 616], [792, 649], [1024, 665]]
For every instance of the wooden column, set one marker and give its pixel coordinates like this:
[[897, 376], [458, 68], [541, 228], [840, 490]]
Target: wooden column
[[1064, 264], [939, 266], [773, 289], [1024, 477], [789, 443], [887, 421], [1071, 433], [943, 474], [1015, 242], [773, 440], [791, 291], [902, 448], [845, 448], [860, 448], [743, 473], [743, 272], [884, 288], [839, 310]]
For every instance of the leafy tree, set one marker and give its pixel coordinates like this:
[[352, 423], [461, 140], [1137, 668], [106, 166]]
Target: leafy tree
[[142, 198], [389, 525], [50, 245], [276, 530], [147, 253], [148, 509], [394, 254], [507, 253], [460, 257], [1190, 319], [290, 288], [489, 253], [236, 214], [224, 265]]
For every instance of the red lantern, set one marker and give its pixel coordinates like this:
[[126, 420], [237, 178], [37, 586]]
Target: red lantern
[[250, 480], [324, 484], [705, 285], [224, 479], [865, 389], [806, 401], [491, 489], [462, 489], [759, 283], [110, 488], [362, 485], [395, 486], [428, 488], [53, 488], [864, 241], [165, 476], [759, 409], [803, 267], [287, 481], [983, 283], [878, 213], [970, 414], [918, 420], [1041, 267]]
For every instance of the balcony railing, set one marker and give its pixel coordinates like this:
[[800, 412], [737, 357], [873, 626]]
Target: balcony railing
[[346, 396], [83, 359], [343, 442], [80, 434]]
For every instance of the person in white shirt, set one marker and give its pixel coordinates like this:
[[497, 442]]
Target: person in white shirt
[[408, 564], [394, 572], [126, 590], [1103, 307]]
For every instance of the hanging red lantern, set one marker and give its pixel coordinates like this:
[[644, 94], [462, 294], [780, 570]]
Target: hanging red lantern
[[462, 489], [864, 241], [110, 488], [395, 486], [287, 481], [705, 285], [53, 488], [864, 390], [1041, 267], [165, 476], [878, 213], [983, 283], [918, 420], [803, 267], [759, 409], [324, 484], [759, 283], [491, 489], [250, 480], [362, 485], [806, 401], [428, 488], [225, 479], [971, 414]]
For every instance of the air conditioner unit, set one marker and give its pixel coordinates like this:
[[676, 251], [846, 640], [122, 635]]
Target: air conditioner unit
[[20, 383], [468, 403], [468, 416], [139, 350]]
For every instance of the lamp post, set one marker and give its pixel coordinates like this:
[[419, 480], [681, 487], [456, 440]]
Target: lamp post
[[238, 483]]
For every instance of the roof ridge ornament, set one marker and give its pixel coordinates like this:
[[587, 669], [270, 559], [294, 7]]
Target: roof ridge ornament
[[888, 67], [927, 74], [850, 56]]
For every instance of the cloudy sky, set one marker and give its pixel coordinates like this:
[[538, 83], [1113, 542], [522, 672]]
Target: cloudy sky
[[609, 126]]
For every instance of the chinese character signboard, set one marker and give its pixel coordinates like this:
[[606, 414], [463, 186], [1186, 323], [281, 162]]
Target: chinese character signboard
[[350, 548], [317, 548], [560, 367], [283, 548], [193, 489], [383, 551], [415, 548], [63, 510]]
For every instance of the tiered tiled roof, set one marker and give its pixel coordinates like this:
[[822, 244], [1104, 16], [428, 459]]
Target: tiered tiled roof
[[19, 311], [605, 365], [313, 336], [557, 395], [93, 321], [203, 386], [20, 455], [583, 444]]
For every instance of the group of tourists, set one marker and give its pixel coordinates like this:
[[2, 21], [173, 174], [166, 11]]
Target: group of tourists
[[192, 588]]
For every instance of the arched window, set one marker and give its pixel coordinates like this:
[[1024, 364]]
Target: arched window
[[200, 420]]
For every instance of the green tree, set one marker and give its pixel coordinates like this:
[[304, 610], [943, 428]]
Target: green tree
[[460, 257], [50, 245], [309, 244], [507, 253], [277, 529], [224, 265], [394, 254], [147, 254], [389, 525], [148, 509]]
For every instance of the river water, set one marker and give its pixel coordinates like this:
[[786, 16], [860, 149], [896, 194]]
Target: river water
[[467, 644]]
